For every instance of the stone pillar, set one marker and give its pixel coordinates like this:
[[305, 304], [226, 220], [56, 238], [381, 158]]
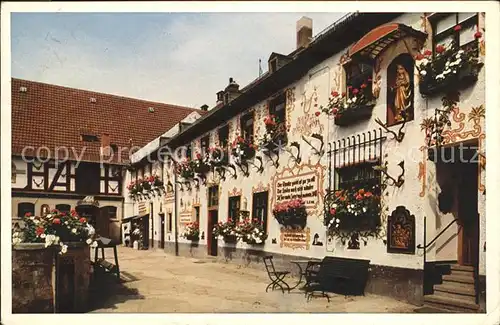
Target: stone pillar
[[32, 279]]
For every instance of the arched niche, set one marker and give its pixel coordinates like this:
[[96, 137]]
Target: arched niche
[[400, 89]]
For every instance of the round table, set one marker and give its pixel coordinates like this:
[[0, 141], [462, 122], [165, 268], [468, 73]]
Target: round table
[[302, 273]]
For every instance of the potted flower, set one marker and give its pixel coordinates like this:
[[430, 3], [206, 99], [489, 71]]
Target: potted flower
[[275, 134], [217, 157], [450, 67], [54, 229], [353, 209], [226, 231], [348, 109], [133, 189], [291, 214], [185, 169], [251, 231], [200, 164], [243, 149], [192, 231]]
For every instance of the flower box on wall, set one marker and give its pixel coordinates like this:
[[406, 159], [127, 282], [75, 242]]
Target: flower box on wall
[[465, 77], [354, 114]]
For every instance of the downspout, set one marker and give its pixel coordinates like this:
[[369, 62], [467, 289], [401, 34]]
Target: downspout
[[175, 216]]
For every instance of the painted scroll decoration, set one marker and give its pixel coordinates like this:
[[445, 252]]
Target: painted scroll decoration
[[295, 239]]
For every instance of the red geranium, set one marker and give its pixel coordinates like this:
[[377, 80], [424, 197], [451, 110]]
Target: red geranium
[[39, 231], [440, 48], [317, 113], [419, 56], [427, 52], [478, 34], [343, 94], [363, 86], [457, 28], [56, 221], [334, 111], [355, 91], [335, 94], [332, 211], [27, 214], [82, 220]]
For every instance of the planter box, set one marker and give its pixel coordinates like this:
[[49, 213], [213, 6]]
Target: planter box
[[354, 115], [465, 77], [230, 239]]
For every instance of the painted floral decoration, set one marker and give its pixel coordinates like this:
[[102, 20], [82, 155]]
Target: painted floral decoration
[[353, 209], [291, 213], [192, 231], [54, 229]]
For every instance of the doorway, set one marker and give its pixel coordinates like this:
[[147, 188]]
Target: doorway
[[162, 230], [213, 216], [468, 216]]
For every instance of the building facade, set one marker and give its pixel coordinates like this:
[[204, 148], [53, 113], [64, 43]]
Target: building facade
[[71, 148], [379, 109]]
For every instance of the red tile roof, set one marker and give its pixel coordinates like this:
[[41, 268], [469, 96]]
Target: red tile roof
[[54, 116]]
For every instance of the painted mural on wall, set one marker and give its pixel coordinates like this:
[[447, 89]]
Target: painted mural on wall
[[303, 181], [401, 231]]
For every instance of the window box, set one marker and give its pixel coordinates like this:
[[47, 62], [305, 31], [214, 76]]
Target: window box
[[354, 114]]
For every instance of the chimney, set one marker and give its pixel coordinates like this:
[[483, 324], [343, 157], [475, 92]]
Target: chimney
[[105, 145], [204, 107], [232, 91], [304, 32], [220, 97]]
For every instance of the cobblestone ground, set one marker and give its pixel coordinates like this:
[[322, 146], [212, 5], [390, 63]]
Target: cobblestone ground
[[160, 283]]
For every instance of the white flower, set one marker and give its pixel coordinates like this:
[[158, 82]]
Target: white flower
[[94, 244], [331, 221], [64, 249], [337, 220], [65, 222], [16, 240], [49, 216], [447, 63], [423, 73], [88, 241], [91, 230], [460, 51], [424, 61], [73, 230], [42, 236], [345, 105], [220, 237], [364, 209], [337, 225], [36, 221], [334, 205], [355, 213], [349, 101], [354, 99]]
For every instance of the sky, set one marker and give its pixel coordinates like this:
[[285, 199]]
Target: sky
[[176, 58]]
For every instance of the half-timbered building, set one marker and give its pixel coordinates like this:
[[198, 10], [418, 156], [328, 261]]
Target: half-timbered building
[[70, 149], [366, 116]]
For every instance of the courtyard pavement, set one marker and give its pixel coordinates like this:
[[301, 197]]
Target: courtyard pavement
[[159, 283]]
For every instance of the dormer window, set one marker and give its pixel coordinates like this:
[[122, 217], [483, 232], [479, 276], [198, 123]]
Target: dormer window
[[273, 65]]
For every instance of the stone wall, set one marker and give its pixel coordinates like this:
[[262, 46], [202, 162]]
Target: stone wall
[[32, 279], [38, 288]]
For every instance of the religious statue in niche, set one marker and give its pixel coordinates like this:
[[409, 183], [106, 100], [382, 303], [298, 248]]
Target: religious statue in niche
[[400, 89], [316, 241], [401, 231]]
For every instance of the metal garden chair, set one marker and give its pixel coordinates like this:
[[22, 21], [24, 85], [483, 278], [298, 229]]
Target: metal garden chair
[[275, 276]]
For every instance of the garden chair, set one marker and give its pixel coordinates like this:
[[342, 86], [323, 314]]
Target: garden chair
[[275, 276]]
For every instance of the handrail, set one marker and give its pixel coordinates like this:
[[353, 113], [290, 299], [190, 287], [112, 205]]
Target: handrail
[[438, 235]]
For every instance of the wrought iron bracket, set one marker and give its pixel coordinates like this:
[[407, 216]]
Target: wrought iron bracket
[[243, 166], [221, 171], [196, 183], [274, 162], [260, 168], [397, 136], [297, 157], [399, 181], [318, 152]]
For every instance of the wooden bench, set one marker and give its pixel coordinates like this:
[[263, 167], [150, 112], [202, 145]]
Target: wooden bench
[[336, 274]]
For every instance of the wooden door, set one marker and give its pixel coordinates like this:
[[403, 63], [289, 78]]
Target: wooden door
[[468, 234], [162, 231], [211, 241], [102, 223]]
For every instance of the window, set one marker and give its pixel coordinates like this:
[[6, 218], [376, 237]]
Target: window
[[357, 176], [109, 211], [197, 214], [277, 108], [25, 207], [357, 74], [234, 208], [89, 138], [13, 173], [44, 210], [247, 126], [188, 151], [259, 207], [64, 208], [444, 32], [169, 223], [88, 178], [204, 144], [224, 136], [213, 196]]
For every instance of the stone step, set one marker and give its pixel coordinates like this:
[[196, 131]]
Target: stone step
[[456, 288], [459, 267], [427, 309], [451, 303], [462, 273], [452, 295], [458, 278]]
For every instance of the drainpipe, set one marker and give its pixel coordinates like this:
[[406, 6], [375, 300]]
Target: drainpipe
[[175, 217]]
